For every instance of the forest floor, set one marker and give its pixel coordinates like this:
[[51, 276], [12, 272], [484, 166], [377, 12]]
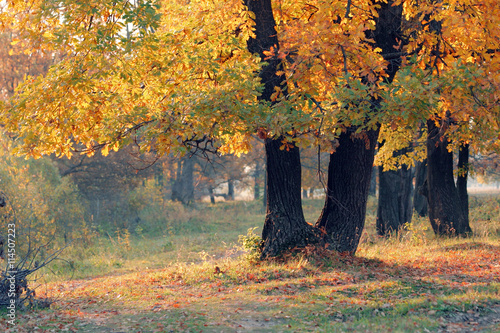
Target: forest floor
[[411, 283]]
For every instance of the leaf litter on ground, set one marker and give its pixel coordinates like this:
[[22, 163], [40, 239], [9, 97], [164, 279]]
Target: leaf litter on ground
[[448, 288]]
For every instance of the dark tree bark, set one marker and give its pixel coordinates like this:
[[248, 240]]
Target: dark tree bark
[[183, 187], [394, 201], [446, 213], [285, 226], [463, 172], [420, 193], [351, 165], [264, 196], [349, 177]]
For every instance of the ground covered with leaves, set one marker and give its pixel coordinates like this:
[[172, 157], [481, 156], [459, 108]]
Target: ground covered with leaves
[[410, 283]]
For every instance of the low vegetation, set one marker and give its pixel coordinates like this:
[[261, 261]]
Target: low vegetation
[[195, 276]]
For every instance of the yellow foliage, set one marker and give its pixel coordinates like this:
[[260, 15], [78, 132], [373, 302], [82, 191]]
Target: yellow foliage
[[165, 72]]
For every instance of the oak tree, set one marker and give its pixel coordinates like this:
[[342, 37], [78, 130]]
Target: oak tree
[[178, 75]]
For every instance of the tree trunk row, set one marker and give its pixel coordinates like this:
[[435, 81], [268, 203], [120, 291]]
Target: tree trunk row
[[447, 211], [394, 201], [350, 169]]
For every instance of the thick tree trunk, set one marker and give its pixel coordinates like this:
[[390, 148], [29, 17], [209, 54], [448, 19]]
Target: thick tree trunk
[[420, 193], [394, 201], [349, 177], [285, 226], [351, 165], [183, 187], [446, 214]]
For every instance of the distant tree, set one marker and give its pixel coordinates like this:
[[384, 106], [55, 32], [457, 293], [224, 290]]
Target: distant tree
[[314, 169], [486, 168], [395, 207], [230, 171], [105, 183], [256, 160], [420, 193], [183, 186]]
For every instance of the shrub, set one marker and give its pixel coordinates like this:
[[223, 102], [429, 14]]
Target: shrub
[[251, 243]]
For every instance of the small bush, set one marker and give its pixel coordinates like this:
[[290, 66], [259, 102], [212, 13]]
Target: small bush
[[251, 244]]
